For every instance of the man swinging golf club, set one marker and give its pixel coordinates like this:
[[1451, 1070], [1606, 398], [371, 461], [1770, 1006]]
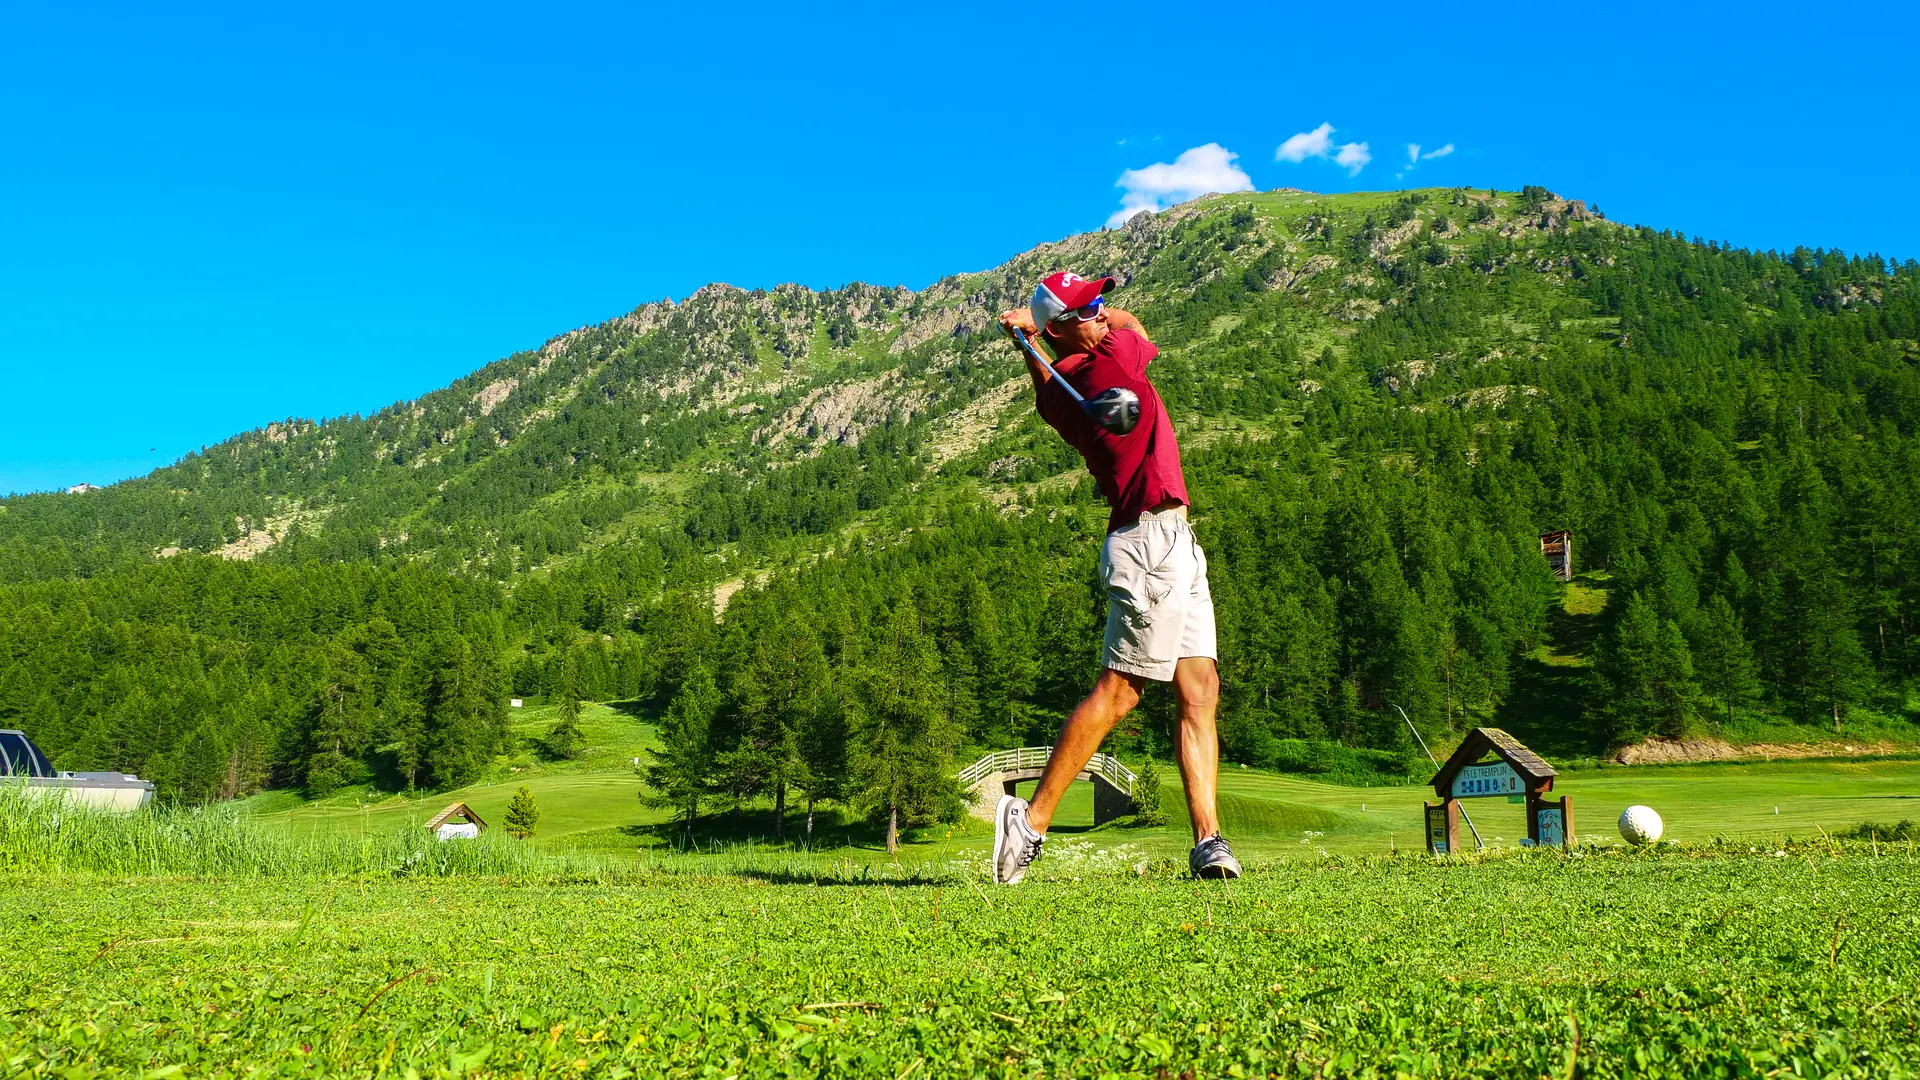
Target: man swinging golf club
[[1159, 610]]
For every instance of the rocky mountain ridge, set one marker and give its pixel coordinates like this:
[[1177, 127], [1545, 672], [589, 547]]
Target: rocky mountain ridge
[[744, 381]]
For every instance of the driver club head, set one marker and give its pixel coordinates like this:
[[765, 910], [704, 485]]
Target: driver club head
[[1116, 410]]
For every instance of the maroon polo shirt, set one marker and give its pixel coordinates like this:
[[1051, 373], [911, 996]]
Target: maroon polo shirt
[[1135, 471]]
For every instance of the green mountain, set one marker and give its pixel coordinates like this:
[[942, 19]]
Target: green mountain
[[1383, 400]]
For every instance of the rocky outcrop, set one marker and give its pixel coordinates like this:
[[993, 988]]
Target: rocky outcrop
[[492, 394], [840, 413]]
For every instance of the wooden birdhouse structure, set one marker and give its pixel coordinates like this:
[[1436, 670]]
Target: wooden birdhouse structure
[[1489, 763], [457, 822], [1558, 548]]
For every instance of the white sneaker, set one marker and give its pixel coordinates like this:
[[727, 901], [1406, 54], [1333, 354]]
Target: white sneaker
[[1015, 845], [1212, 858]]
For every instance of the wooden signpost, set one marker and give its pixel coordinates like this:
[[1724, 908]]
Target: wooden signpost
[[1516, 773]]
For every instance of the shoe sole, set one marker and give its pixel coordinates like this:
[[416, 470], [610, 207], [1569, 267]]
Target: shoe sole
[[1217, 873], [1000, 835]]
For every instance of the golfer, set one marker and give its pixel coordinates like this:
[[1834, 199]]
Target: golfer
[[1159, 611]]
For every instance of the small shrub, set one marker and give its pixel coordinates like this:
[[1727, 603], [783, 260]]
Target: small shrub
[[1147, 809], [522, 814], [1905, 830]]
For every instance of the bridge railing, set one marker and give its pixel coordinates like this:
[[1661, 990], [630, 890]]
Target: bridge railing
[[1106, 766]]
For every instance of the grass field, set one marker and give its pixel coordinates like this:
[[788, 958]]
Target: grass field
[[1707, 962], [593, 805]]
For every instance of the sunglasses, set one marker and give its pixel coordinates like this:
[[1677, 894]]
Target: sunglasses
[[1079, 314]]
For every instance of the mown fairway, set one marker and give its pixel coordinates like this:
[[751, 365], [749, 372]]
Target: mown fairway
[[1713, 962], [593, 805]]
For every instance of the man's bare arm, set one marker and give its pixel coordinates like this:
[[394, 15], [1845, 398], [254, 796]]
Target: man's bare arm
[[1124, 320]]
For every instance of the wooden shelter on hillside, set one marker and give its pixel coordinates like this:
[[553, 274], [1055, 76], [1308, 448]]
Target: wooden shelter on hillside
[[1558, 548], [468, 826], [1515, 772]]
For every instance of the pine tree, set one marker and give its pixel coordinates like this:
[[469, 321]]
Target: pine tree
[[822, 743], [902, 742], [564, 740], [1722, 657], [680, 773], [1646, 671], [337, 723], [522, 814], [775, 692], [466, 713]]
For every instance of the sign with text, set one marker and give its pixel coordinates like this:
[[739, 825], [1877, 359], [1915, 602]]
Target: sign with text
[[1479, 781]]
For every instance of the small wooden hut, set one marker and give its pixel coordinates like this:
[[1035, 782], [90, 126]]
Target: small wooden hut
[[1515, 772], [1558, 548], [457, 822]]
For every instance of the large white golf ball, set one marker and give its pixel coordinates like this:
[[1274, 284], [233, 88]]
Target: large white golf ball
[[1640, 825]]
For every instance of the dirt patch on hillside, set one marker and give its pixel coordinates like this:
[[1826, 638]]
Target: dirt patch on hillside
[[491, 395], [248, 546], [256, 542], [724, 592], [1690, 751]]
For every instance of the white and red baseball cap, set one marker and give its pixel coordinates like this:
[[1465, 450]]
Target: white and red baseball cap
[[1064, 292]]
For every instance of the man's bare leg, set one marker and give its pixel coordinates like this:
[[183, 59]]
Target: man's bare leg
[[1196, 685], [1114, 696]]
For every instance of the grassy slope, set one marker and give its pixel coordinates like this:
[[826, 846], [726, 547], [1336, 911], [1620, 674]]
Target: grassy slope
[[598, 792], [1647, 965]]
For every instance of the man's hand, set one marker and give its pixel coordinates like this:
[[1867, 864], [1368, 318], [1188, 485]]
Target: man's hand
[[1022, 319]]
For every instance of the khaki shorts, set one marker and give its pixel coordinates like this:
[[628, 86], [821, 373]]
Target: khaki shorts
[[1159, 608]]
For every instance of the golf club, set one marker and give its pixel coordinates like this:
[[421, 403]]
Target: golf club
[[1116, 410], [1436, 768]]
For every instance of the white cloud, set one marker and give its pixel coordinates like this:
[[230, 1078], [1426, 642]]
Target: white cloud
[[1318, 143], [1306, 144], [1353, 157], [1194, 173], [1415, 155]]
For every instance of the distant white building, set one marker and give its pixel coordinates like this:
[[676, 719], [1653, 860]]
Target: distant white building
[[513, 703], [81, 489]]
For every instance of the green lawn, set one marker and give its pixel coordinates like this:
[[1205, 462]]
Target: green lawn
[[598, 793], [593, 805], [1267, 815], [1681, 964]]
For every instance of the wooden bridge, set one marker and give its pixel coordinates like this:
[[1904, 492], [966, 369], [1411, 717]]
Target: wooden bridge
[[998, 772]]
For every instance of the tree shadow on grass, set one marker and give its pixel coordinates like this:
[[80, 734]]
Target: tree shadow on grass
[[729, 831], [851, 877], [636, 709]]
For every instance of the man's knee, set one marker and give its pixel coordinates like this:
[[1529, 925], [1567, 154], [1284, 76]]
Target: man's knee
[[1119, 691], [1197, 681]]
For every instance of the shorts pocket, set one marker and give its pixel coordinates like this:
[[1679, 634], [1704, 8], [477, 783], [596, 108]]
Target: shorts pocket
[[1139, 579]]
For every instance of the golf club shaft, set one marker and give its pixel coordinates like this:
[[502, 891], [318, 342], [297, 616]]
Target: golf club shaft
[[1436, 768], [1020, 336]]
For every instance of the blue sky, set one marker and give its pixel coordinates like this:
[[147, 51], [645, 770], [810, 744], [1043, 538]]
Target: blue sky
[[215, 218]]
